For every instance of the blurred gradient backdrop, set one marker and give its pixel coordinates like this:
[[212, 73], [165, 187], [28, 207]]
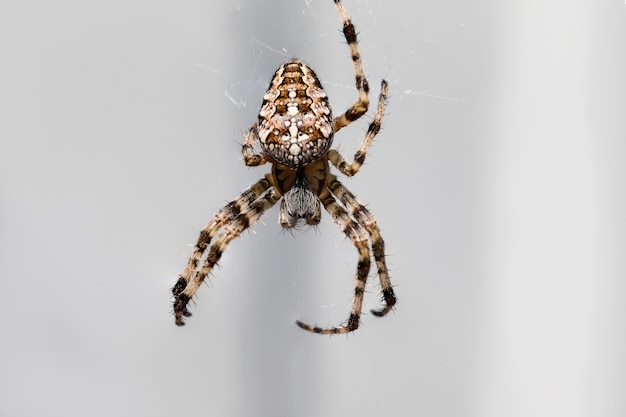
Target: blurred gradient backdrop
[[498, 181]]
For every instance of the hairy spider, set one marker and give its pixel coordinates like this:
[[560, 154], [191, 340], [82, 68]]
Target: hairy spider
[[295, 132]]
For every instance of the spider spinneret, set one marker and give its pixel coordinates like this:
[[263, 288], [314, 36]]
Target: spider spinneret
[[295, 131]]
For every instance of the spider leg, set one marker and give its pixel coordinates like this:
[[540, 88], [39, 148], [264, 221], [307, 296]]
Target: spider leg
[[354, 231], [352, 168], [365, 218], [360, 106], [285, 221], [235, 217], [250, 158], [316, 218]]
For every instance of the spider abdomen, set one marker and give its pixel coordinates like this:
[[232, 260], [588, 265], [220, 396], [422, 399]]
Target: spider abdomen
[[295, 124]]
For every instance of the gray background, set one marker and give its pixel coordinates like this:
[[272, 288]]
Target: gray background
[[498, 181]]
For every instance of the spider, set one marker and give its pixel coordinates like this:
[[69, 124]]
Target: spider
[[295, 130]]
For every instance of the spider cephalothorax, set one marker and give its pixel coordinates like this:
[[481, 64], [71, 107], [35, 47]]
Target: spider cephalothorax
[[295, 131]]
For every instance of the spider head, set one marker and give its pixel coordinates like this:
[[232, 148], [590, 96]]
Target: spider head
[[295, 125]]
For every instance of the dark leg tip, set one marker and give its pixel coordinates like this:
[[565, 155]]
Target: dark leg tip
[[180, 309], [179, 287], [390, 301], [306, 327]]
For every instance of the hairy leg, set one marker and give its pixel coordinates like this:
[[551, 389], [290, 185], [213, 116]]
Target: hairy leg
[[356, 234], [351, 168], [360, 106], [363, 216], [237, 216]]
